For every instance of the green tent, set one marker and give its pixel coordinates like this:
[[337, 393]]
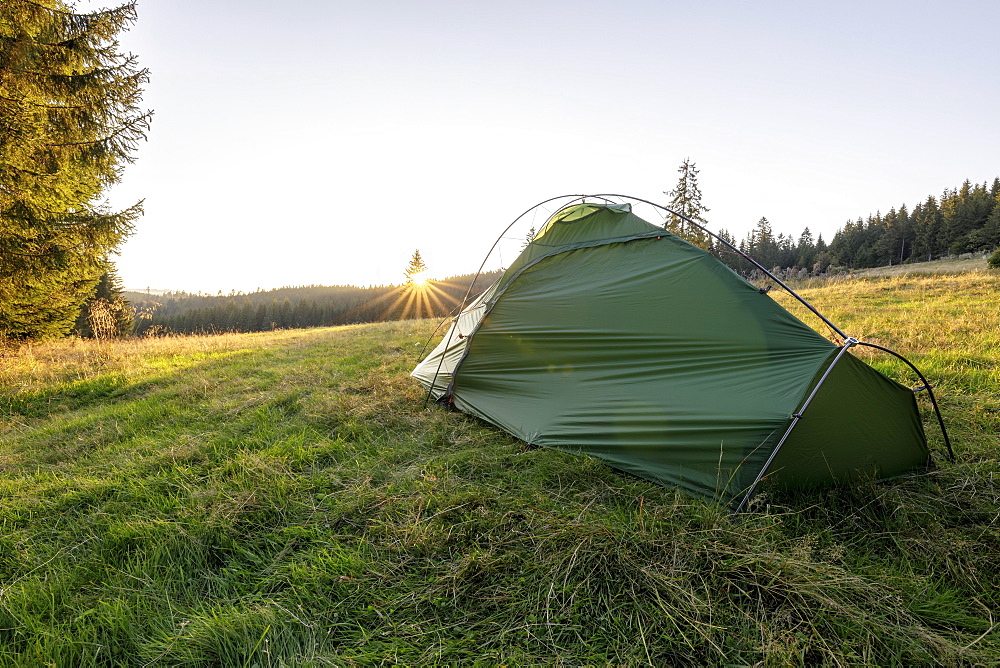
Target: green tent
[[610, 336]]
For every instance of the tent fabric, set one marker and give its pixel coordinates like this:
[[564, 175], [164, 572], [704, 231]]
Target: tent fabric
[[611, 337], [875, 422], [435, 372]]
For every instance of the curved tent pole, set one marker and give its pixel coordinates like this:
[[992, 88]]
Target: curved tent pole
[[795, 420], [848, 341], [468, 293], [851, 341], [427, 343]]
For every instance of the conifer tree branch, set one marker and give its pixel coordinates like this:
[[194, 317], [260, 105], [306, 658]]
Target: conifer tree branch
[[68, 13], [71, 121]]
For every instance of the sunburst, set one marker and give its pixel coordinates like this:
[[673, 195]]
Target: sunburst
[[418, 299], [419, 280]]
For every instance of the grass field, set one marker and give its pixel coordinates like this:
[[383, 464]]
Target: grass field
[[950, 265], [285, 499]]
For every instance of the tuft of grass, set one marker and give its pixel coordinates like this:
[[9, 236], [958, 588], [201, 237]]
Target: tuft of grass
[[286, 499]]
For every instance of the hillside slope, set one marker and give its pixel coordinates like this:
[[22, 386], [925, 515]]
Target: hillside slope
[[285, 498]]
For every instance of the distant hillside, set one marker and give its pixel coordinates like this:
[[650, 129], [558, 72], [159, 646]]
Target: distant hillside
[[302, 306]]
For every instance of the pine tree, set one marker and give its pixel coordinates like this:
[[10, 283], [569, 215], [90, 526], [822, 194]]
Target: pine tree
[[806, 250], [887, 246], [762, 246], [685, 199], [729, 257], [988, 236], [69, 122], [927, 224], [416, 271]]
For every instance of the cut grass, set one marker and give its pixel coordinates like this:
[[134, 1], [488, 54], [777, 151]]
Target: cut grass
[[285, 499]]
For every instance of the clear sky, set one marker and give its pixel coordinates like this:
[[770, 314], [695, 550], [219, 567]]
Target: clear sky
[[323, 141]]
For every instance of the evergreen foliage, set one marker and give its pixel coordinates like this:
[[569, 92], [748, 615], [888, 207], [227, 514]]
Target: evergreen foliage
[[281, 499], [900, 235], [106, 313], [685, 199], [965, 221], [69, 122], [416, 270]]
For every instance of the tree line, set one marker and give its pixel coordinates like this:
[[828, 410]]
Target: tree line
[[962, 220], [300, 307]]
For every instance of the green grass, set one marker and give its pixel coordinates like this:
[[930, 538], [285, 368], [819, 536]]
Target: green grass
[[286, 499]]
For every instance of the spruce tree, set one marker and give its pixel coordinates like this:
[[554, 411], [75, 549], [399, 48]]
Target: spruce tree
[[764, 247], [728, 257], [988, 236], [806, 250], [69, 122], [416, 270], [927, 225], [685, 199]]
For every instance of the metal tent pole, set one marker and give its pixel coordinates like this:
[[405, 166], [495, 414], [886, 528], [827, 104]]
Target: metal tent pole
[[851, 341], [848, 340], [465, 300]]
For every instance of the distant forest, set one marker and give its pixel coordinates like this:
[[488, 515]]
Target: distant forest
[[297, 307], [963, 220]]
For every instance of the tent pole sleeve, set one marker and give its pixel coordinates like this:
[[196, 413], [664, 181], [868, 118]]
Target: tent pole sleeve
[[930, 393], [851, 341]]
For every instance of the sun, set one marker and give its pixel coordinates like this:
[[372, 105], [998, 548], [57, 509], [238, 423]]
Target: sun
[[419, 280]]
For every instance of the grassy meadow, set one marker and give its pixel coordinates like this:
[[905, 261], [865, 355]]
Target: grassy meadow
[[286, 499]]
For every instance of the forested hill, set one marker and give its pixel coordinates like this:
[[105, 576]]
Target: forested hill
[[294, 307], [962, 220]]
